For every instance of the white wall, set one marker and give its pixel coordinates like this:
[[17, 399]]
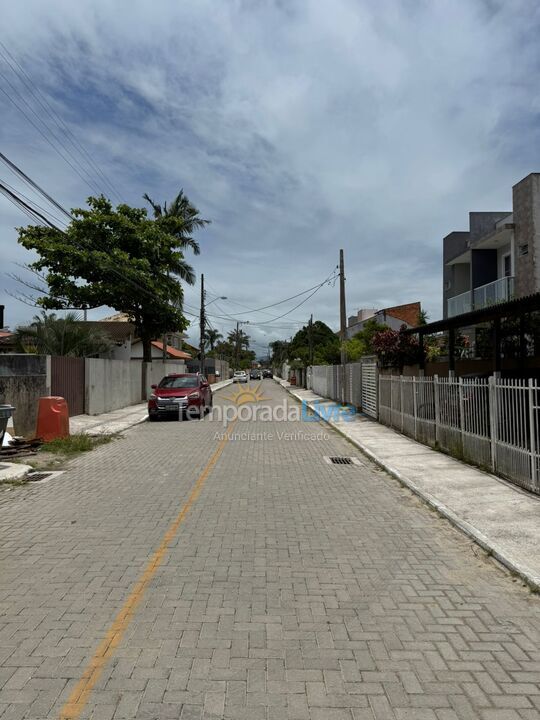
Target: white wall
[[107, 385], [114, 384], [157, 370]]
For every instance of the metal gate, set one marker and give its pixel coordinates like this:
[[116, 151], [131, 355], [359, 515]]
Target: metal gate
[[369, 388], [67, 381]]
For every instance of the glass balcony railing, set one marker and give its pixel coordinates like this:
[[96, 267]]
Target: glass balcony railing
[[459, 304], [495, 292]]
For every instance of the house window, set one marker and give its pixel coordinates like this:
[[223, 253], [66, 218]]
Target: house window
[[524, 249], [507, 265]]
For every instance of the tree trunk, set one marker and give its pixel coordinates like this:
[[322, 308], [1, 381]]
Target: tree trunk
[[147, 347]]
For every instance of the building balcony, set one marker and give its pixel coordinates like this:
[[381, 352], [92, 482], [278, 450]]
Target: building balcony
[[493, 293], [459, 304]]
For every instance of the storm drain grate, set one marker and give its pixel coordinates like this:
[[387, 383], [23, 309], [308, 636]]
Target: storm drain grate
[[42, 476], [342, 460]]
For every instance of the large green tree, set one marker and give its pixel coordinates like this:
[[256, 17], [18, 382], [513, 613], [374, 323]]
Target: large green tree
[[119, 258], [326, 347]]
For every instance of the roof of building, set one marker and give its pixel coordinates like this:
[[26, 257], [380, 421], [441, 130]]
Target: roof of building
[[7, 339], [407, 313], [173, 352], [116, 317], [117, 331]]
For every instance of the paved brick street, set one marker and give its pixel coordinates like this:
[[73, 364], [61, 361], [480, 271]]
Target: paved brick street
[[292, 590]]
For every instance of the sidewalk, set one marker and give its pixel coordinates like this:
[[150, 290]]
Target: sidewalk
[[501, 518], [118, 420]]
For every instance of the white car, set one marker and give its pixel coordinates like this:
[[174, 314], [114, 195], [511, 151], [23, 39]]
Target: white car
[[240, 376]]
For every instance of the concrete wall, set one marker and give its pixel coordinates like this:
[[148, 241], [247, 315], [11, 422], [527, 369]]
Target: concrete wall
[[526, 200], [157, 370], [107, 385], [23, 380], [114, 384]]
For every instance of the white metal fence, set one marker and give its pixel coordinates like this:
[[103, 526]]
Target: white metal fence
[[325, 380], [492, 423]]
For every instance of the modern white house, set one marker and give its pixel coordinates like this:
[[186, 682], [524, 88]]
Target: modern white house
[[498, 257]]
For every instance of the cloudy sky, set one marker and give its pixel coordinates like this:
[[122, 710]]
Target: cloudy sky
[[297, 126]]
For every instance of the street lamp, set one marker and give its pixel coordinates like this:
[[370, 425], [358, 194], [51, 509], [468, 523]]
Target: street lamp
[[214, 300], [203, 323]]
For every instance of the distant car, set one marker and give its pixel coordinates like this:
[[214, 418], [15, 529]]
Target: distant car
[[179, 395], [240, 376], [267, 373], [255, 375]]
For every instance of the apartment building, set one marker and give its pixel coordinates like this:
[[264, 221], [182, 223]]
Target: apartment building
[[498, 257]]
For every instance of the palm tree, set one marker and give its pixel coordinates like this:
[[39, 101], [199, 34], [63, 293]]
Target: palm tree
[[180, 207], [238, 338], [212, 336], [50, 335]]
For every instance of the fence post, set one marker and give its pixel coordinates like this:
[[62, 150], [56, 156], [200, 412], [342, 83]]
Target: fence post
[[414, 405], [532, 430], [461, 413], [401, 398], [391, 400], [437, 407], [492, 395]]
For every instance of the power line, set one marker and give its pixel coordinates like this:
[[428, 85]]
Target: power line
[[28, 209], [11, 165], [44, 103], [317, 288], [89, 181], [280, 302], [30, 200]]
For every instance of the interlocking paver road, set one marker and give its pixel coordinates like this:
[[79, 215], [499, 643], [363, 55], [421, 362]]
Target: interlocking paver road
[[293, 589]]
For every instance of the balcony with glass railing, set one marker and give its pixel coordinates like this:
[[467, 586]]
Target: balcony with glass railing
[[493, 293], [459, 304]]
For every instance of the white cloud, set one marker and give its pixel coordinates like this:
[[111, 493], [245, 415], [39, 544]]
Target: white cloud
[[298, 128]]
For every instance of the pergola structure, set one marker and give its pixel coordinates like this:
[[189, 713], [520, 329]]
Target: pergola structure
[[516, 309]]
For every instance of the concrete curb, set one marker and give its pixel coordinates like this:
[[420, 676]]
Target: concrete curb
[[491, 548], [10, 472]]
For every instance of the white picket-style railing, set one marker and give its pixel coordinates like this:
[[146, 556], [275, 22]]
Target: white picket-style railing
[[492, 423]]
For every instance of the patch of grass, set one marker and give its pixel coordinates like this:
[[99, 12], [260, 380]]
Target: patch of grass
[[78, 443]]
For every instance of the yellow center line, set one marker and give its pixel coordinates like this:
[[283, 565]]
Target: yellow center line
[[79, 697]]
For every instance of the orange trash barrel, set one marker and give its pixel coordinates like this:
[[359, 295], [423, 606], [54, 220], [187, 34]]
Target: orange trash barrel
[[52, 419]]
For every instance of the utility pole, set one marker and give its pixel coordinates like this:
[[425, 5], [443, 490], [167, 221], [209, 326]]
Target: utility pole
[[202, 326], [237, 345], [310, 338], [343, 323]]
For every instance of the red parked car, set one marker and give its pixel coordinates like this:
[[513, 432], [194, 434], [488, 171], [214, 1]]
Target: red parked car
[[180, 394]]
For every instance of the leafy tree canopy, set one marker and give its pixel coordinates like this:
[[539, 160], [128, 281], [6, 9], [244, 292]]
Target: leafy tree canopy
[[227, 350], [326, 346], [362, 343], [395, 348], [119, 258]]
